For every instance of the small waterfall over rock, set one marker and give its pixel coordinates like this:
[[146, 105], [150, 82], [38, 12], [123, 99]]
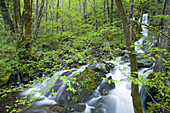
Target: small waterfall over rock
[[98, 97]]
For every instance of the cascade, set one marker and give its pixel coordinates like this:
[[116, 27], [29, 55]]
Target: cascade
[[118, 100]]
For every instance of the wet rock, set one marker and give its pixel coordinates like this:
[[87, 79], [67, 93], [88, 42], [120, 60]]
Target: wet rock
[[144, 98], [86, 82], [117, 52], [57, 108], [145, 63], [80, 107], [98, 110], [106, 103], [105, 87], [102, 66]]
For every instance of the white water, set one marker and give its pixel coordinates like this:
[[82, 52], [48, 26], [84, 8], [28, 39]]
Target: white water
[[121, 95], [118, 100]]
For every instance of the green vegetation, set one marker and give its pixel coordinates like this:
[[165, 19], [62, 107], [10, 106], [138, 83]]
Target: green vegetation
[[73, 33]]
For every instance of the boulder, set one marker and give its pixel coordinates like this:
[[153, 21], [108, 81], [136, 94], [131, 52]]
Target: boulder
[[87, 81], [80, 107], [102, 66], [145, 63], [98, 110], [105, 87], [117, 52]]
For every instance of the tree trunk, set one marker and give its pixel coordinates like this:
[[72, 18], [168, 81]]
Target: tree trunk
[[19, 14], [61, 22], [6, 17], [133, 59], [84, 10], [108, 9], [94, 13], [39, 17], [163, 41], [80, 14], [130, 19], [36, 16], [57, 15], [141, 15], [14, 14], [46, 13], [104, 12], [71, 23], [51, 3], [28, 23], [112, 12]]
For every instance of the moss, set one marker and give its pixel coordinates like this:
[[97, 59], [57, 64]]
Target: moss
[[4, 79], [86, 73], [90, 87]]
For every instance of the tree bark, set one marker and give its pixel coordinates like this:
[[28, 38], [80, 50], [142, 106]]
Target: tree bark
[[19, 14], [130, 19], [14, 14], [28, 23], [39, 17], [108, 9], [71, 22], [6, 17], [57, 15], [62, 24], [112, 12], [141, 15], [133, 59], [84, 10], [46, 13], [162, 42]]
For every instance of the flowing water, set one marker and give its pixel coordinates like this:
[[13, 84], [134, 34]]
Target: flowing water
[[118, 100]]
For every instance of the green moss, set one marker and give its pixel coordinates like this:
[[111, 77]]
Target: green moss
[[86, 73], [90, 87], [4, 78], [87, 80]]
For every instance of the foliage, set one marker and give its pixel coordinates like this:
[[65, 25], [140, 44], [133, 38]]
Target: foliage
[[79, 43]]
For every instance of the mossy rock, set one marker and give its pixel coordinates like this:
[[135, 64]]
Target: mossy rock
[[4, 78], [145, 63]]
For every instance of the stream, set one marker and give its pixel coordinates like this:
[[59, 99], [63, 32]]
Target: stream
[[117, 100]]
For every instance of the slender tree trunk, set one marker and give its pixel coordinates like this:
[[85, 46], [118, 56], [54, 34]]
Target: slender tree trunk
[[51, 15], [133, 59], [130, 19], [163, 41], [61, 22], [19, 14], [108, 9], [112, 12], [6, 17], [141, 15], [28, 22], [104, 11], [46, 12], [36, 15], [150, 9], [71, 22], [84, 10], [36, 10], [57, 15], [14, 14], [39, 17], [80, 14], [95, 14]]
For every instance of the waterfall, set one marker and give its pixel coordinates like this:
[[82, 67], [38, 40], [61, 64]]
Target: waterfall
[[118, 100]]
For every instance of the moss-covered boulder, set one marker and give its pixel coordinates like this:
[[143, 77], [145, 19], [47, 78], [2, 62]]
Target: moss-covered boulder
[[84, 85], [145, 63]]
